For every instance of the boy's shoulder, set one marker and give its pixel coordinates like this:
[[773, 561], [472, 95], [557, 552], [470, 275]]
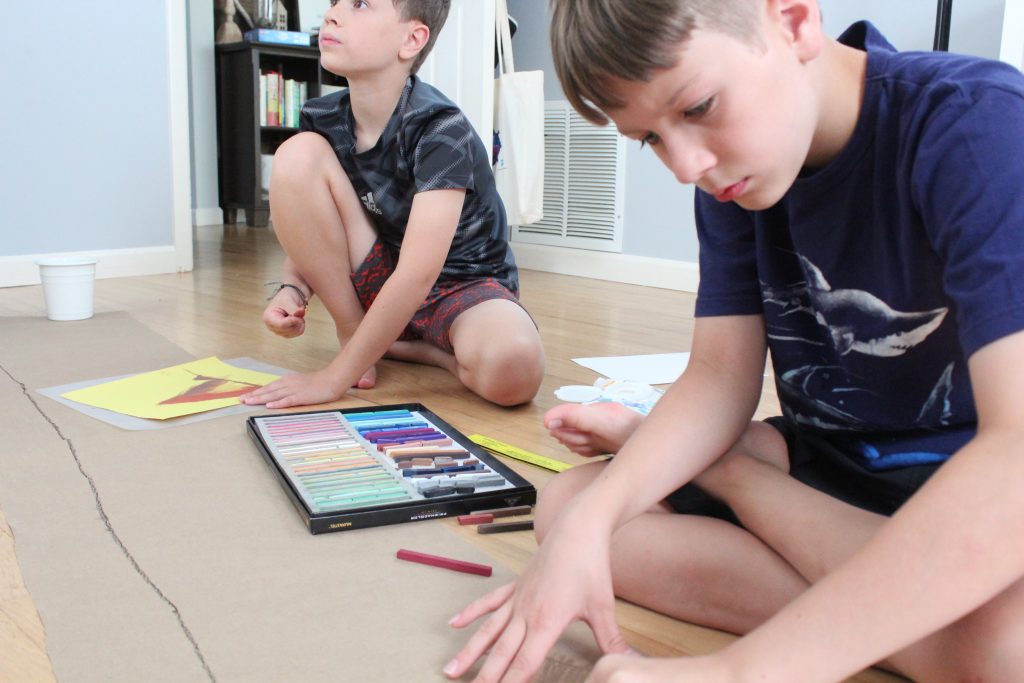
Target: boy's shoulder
[[929, 77], [421, 100], [326, 111]]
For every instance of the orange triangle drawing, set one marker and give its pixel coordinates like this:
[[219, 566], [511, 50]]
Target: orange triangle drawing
[[209, 389]]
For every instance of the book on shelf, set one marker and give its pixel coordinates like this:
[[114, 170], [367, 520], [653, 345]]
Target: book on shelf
[[281, 100], [268, 35]]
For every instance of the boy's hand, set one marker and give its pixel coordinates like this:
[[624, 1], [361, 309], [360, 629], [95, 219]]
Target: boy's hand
[[310, 388], [568, 579], [285, 315]]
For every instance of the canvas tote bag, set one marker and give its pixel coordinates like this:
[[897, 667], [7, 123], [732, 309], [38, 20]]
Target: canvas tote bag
[[519, 131]]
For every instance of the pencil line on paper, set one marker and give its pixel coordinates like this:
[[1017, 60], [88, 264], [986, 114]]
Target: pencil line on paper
[[110, 528]]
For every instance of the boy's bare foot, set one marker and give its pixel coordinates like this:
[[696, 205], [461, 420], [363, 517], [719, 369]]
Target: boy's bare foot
[[422, 352], [593, 429], [368, 380]]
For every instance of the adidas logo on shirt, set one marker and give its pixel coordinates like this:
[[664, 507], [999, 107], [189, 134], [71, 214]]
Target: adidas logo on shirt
[[370, 204]]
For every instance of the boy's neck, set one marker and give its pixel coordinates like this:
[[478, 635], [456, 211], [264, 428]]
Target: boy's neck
[[841, 78], [373, 100]]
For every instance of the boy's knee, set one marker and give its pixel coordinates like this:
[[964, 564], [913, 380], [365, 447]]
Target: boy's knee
[[559, 491], [986, 647], [299, 158], [509, 371]]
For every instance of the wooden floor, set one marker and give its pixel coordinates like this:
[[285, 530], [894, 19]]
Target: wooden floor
[[215, 310]]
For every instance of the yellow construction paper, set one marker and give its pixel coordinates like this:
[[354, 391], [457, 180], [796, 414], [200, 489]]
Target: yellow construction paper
[[186, 389]]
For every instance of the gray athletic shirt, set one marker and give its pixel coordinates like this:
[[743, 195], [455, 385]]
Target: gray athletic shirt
[[428, 144]]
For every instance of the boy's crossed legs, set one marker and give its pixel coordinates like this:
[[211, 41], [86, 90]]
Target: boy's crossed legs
[[324, 230], [735, 578]]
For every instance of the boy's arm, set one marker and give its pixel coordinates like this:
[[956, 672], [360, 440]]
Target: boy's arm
[[432, 223], [954, 546], [701, 415]]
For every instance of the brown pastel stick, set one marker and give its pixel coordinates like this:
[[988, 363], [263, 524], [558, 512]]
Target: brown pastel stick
[[501, 527], [506, 512]]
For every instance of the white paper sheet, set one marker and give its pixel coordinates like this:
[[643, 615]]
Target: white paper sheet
[[651, 368]]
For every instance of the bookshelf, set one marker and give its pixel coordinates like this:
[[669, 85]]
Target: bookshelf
[[241, 139]]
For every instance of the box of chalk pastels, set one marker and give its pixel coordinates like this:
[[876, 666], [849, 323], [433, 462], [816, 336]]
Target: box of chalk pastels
[[361, 467]]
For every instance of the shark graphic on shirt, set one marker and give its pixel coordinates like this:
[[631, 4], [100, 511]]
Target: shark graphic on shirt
[[857, 321]]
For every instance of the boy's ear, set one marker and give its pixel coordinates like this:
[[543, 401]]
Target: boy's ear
[[415, 40], [800, 23]]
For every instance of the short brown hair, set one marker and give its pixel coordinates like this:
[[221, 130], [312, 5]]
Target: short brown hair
[[433, 13], [594, 41]]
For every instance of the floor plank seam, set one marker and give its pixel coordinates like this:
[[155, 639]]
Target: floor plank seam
[[110, 528]]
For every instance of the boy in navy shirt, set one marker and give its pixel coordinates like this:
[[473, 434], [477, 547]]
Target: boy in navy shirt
[[386, 208], [860, 217]]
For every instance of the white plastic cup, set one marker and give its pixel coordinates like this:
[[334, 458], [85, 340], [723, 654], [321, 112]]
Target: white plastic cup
[[68, 287]]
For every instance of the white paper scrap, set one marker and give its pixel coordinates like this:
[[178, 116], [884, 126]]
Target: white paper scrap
[[651, 368]]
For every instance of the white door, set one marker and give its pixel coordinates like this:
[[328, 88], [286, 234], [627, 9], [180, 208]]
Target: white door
[[462, 62]]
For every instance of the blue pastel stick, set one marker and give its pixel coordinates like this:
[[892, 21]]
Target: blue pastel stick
[[363, 427], [377, 415]]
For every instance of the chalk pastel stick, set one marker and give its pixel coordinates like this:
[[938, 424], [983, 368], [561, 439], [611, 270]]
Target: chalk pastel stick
[[475, 519], [445, 562], [506, 512], [376, 415], [500, 527]]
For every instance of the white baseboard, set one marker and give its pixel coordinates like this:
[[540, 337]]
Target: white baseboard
[[16, 271], [681, 276], [212, 216]]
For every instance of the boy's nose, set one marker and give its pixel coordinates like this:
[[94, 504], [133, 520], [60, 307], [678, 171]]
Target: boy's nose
[[688, 158], [690, 162]]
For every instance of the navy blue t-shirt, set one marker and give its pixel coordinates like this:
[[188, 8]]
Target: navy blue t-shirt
[[427, 144], [881, 273]]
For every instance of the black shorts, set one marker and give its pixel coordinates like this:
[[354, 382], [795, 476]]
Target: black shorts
[[824, 466]]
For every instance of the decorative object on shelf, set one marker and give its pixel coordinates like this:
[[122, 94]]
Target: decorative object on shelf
[[266, 13], [280, 16], [228, 31]]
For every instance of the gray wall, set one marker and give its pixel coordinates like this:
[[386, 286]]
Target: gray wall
[[87, 149], [659, 212]]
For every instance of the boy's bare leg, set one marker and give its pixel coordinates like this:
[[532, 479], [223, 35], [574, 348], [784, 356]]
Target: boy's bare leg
[[816, 532], [696, 569], [498, 352], [321, 224]]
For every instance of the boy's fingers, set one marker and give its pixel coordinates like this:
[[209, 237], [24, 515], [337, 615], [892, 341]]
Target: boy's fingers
[[487, 603], [607, 634], [502, 652], [533, 648], [484, 637]]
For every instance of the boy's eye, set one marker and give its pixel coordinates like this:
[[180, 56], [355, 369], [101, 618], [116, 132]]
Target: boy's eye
[[649, 139], [701, 109]]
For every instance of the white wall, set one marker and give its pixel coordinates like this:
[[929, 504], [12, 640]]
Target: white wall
[[89, 156], [659, 223]]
